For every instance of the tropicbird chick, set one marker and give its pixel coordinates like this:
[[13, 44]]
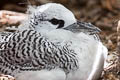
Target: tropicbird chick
[[40, 54]]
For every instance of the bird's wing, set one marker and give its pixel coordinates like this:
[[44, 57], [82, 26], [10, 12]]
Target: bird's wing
[[29, 50], [98, 66], [2, 34]]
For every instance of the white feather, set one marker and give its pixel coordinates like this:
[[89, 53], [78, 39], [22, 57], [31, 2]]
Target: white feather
[[55, 74], [91, 53]]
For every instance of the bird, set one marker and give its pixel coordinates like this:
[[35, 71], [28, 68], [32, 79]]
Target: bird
[[53, 46]]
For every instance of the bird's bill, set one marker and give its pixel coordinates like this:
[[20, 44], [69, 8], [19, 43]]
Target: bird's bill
[[82, 27]]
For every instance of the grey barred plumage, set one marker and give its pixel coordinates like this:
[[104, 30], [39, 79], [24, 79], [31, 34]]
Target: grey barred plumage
[[29, 50]]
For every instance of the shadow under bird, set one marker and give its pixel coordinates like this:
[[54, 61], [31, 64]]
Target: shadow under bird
[[53, 46]]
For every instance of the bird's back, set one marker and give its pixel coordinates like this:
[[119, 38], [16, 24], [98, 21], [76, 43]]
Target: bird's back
[[29, 50]]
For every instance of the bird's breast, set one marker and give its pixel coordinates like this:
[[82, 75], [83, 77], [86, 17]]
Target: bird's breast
[[55, 74]]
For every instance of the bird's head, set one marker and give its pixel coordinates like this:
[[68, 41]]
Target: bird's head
[[51, 16]]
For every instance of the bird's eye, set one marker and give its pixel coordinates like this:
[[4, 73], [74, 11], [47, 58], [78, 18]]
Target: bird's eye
[[61, 23], [54, 21]]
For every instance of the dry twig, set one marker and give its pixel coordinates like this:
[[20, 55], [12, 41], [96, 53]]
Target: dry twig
[[6, 77], [118, 38], [10, 17]]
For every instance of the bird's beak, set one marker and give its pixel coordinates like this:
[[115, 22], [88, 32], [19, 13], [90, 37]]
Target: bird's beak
[[82, 27]]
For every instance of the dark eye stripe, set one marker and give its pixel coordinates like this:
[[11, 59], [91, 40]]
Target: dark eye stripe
[[61, 24], [54, 21], [57, 22]]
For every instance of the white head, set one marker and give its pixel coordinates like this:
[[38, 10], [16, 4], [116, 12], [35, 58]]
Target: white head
[[51, 16]]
